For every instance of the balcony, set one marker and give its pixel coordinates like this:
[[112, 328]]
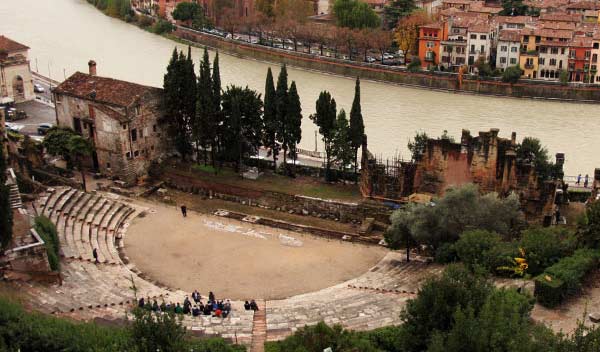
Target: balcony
[[529, 66]]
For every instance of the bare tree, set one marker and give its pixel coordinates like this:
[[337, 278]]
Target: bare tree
[[382, 41]]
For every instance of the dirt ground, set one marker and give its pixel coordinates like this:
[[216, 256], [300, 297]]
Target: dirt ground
[[239, 260]]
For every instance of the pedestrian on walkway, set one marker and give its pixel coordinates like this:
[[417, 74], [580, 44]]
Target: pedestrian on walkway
[[586, 180], [95, 254], [184, 211], [578, 180]]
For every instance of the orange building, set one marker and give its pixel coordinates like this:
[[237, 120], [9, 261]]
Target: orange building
[[580, 51], [430, 37]]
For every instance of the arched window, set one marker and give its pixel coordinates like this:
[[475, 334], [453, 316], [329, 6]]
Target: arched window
[[18, 88]]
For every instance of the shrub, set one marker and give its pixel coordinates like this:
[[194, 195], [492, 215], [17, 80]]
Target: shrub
[[415, 65], [502, 255], [162, 26], [446, 253], [590, 226], [545, 246], [474, 246], [144, 21], [565, 277], [47, 231], [511, 74]]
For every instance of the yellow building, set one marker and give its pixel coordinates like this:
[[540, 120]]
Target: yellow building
[[528, 60]]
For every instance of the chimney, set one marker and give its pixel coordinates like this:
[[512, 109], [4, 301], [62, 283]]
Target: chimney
[[92, 67]]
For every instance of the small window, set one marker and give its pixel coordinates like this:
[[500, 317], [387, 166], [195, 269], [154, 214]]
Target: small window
[[482, 37], [513, 49], [153, 128], [128, 155], [124, 125], [136, 153], [473, 36], [133, 135], [142, 133], [108, 165], [513, 61]]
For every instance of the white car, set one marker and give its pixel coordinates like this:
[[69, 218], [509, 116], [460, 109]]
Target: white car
[[38, 88], [370, 59]]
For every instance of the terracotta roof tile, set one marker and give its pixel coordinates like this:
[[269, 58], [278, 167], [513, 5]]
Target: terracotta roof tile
[[10, 45], [510, 35], [560, 17], [103, 89]]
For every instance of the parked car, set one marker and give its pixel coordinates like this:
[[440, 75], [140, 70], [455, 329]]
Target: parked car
[[43, 128], [370, 59], [38, 88]]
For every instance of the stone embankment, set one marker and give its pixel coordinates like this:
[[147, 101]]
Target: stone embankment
[[443, 81]]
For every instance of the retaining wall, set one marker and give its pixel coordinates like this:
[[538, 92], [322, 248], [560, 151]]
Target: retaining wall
[[437, 81]]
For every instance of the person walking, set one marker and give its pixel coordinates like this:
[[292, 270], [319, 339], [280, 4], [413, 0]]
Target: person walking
[[184, 211], [95, 255], [586, 180], [578, 180]]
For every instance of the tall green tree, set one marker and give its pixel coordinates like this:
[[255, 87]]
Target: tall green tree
[[342, 151], [354, 14], [192, 13], [357, 126], [293, 121], [325, 119], [514, 8], [176, 103], [204, 128], [242, 109], [80, 148], [281, 108], [216, 97], [270, 118], [397, 9], [6, 216]]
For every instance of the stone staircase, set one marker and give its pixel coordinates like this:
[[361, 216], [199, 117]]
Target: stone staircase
[[14, 194], [372, 300], [259, 329]]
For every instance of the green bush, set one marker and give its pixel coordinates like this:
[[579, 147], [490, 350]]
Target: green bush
[[473, 247], [565, 277], [47, 231], [162, 26], [545, 246], [446, 253], [511, 74], [414, 65], [503, 255]]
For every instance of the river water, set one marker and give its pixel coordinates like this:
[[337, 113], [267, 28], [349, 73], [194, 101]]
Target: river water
[[65, 34]]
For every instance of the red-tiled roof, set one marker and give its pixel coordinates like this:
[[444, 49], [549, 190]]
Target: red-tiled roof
[[582, 5], [103, 89], [110, 112], [514, 19], [560, 17], [581, 42], [10, 45], [510, 35]]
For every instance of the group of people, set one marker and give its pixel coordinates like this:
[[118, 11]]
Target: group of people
[[212, 307], [251, 305]]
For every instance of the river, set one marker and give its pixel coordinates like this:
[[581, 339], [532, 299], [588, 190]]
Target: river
[[65, 34]]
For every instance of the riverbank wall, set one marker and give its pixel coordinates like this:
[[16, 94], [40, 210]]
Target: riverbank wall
[[442, 81]]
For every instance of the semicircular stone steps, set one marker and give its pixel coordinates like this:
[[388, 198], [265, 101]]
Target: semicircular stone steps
[[85, 221]]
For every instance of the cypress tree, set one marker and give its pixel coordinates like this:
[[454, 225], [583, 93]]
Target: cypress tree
[[281, 107], [6, 217], [188, 91], [204, 128], [357, 126], [294, 120], [325, 118], [218, 118], [176, 104], [341, 148], [270, 118]]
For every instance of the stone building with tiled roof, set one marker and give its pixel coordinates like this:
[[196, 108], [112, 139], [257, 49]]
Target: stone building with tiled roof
[[16, 83], [121, 118]]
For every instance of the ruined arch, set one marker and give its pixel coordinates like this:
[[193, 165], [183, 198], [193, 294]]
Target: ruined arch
[[18, 86]]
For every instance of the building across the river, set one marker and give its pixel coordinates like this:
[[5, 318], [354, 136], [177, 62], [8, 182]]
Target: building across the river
[[121, 118], [16, 83]]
